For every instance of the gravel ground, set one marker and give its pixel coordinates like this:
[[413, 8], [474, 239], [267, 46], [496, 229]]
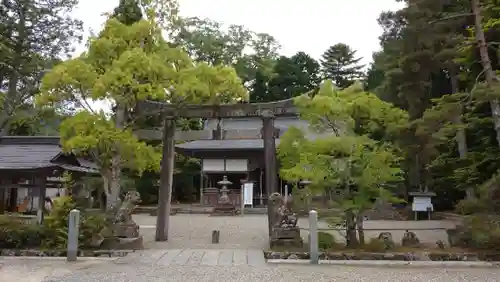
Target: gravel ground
[[288, 273], [250, 231], [195, 232]]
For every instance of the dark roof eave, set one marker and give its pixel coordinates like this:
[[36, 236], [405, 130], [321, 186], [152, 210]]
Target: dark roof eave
[[187, 150], [53, 166]]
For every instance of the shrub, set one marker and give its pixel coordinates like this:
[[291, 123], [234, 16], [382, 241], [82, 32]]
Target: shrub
[[56, 225], [326, 241], [469, 206], [375, 245], [479, 232], [53, 234], [15, 234]]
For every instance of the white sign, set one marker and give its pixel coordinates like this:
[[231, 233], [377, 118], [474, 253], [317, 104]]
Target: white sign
[[248, 190], [422, 203]]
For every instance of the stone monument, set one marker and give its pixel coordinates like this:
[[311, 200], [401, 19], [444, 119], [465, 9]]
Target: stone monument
[[224, 205], [285, 231]]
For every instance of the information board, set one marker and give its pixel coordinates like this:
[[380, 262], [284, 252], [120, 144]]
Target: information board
[[422, 203]]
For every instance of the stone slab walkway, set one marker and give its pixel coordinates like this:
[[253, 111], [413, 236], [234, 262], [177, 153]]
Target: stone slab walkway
[[195, 257]]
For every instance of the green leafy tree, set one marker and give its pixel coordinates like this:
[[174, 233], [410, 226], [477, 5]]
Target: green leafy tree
[[34, 35], [340, 64], [293, 76], [126, 64], [344, 156]]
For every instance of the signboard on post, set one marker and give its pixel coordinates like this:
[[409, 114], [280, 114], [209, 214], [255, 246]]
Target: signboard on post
[[421, 204]]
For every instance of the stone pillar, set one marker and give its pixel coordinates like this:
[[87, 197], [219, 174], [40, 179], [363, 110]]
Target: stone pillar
[[313, 237], [73, 231], [271, 173], [166, 179]]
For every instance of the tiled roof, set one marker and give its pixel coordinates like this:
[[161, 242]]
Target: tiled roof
[[27, 156], [30, 152]]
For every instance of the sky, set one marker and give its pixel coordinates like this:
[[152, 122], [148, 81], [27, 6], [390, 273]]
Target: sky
[[310, 26]]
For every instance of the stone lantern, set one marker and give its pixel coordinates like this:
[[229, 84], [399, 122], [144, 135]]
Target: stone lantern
[[224, 205], [305, 183], [224, 198]]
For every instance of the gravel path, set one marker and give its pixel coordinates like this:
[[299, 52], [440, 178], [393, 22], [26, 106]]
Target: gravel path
[[195, 232], [47, 270], [288, 273], [250, 231]]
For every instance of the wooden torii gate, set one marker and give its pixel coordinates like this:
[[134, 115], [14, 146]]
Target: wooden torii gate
[[169, 112]]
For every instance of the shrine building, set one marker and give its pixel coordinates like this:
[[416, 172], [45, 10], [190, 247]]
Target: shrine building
[[234, 147]]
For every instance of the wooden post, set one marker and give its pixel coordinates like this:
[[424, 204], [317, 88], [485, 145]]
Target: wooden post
[[242, 199], [286, 194], [166, 179], [73, 231], [201, 186], [3, 188], [271, 174], [42, 189], [261, 202]]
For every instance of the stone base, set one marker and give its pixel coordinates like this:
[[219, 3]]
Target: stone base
[[225, 209], [286, 237], [122, 243], [126, 230], [286, 232], [288, 243]]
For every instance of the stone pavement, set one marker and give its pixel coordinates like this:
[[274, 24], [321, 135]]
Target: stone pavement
[[195, 257]]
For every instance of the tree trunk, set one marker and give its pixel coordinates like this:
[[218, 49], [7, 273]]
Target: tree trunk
[[112, 197], [489, 73], [351, 236], [359, 226], [115, 169], [460, 137], [106, 182]]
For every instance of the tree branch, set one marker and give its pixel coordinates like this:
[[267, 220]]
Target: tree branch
[[451, 17]]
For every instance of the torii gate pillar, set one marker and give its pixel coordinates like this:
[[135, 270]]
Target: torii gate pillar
[[166, 180], [271, 173]]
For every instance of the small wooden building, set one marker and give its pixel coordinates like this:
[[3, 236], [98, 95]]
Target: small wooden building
[[30, 170]]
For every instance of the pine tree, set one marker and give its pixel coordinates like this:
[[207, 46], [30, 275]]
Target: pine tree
[[340, 64], [128, 12]]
